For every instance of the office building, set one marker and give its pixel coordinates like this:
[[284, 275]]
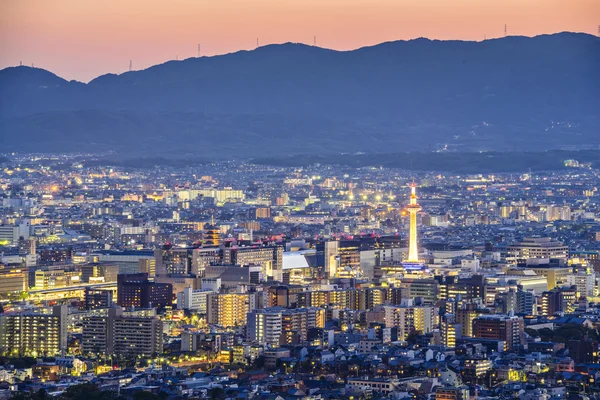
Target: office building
[[13, 279], [135, 290], [196, 300], [584, 282], [536, 247], [500, 327], [99, 273], [97, 298], [426, 289], [147, 266], [270, 258]]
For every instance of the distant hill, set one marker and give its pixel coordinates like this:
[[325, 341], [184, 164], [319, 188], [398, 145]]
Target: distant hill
[[514, 93]]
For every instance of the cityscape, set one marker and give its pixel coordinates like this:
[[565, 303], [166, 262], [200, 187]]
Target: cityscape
[[299, 200], [235, 280]]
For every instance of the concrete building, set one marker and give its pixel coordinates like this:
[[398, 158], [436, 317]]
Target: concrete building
[[190, 299], [116, 333], [500, 327], [410, 318], [29, 334], [13, 279], [229, 309], [536, 247]]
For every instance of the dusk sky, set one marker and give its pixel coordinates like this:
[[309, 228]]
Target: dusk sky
[[81, 39]]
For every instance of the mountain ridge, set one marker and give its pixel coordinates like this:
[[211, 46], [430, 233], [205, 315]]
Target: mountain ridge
[[432, 92]]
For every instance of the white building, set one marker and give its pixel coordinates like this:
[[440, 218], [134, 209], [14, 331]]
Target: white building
[[586, 283], [196, 300]]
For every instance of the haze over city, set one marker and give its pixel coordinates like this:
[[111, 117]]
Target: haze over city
[[84, 39]]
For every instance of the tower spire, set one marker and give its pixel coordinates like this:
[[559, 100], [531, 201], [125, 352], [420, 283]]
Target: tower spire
[[413, 208]]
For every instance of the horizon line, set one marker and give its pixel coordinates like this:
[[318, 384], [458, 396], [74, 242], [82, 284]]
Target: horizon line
[[176, 60]]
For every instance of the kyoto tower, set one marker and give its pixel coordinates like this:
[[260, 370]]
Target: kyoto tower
[[413, 208]]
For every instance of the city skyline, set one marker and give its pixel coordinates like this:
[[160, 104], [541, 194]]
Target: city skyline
[[81, 41]]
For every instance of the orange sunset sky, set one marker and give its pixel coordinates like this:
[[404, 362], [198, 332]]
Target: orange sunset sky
[[81, 39]]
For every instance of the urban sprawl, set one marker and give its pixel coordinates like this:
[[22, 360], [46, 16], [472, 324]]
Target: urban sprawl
[[239, 281]]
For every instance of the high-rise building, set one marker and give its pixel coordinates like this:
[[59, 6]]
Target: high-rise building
[[30, 334], [134, 336], [584, 350], [585, 283], [115, 333], [97, 298], [466, 288], [426, 289], [526, 302], [135, 290], [536, 247], [500, 327], [190, 299], [229, 309], [99, 273], [52, 277], [172, 260], [13, 279], [466, 312], [413, 208], [147, 266], [331, 258], [559, 300], [53, 256], [449, 330], [277, 326], [269, 257], [410, 318]]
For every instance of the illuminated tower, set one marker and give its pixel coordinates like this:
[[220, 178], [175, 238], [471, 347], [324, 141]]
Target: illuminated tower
[[413, 208]]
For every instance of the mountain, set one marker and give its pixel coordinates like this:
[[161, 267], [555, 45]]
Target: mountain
[[503, 94]]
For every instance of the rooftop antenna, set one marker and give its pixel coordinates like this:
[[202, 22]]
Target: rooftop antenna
[[504, 29], [130, 65], [198, 50]]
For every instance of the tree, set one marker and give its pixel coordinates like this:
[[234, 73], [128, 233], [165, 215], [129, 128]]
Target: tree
[[87, 391], [216, 393]]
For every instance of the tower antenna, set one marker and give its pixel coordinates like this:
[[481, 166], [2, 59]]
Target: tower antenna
[[130, 65], [598, 30], [257, 45], [315, 40], [505, 30], [199, 50]]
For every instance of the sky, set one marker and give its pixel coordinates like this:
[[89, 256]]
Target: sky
[[82, 39]]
